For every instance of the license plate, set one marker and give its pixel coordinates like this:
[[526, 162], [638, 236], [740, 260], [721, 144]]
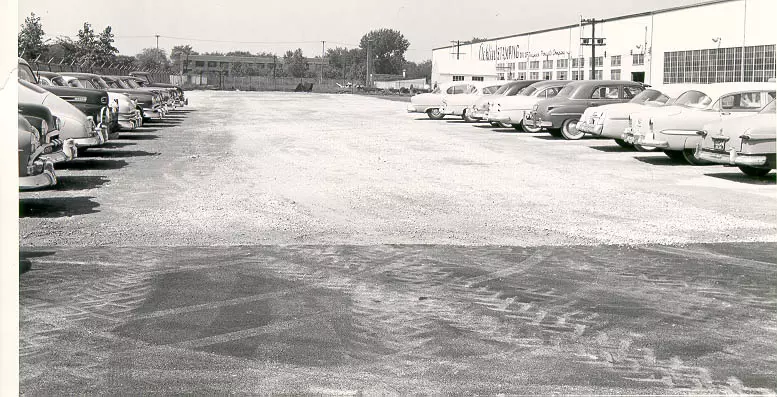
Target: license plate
[[719, 145]]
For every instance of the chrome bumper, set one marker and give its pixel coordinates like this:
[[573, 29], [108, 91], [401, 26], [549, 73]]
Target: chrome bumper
[[731, 158], [44, 179], [69, 152], [593, 129]]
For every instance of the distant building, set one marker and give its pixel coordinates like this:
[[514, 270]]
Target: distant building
[[225, 65]]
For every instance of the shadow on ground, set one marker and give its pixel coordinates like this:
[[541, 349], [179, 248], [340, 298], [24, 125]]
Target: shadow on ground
[[118, 153], [81, 164], [80, 182], [56, 207], [769, 179]]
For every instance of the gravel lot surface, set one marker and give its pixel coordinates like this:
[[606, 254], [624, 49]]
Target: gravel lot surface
[[278, 243], [280, 168]]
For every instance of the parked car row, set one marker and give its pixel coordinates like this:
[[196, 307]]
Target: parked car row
[[725, 123], [61, 114]]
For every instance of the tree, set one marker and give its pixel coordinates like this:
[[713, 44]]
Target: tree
[[106, 52], [295, 63], [422, 70], [153, 58], [179, 54], [125, 61], [239, 54], [387, 48], [31, 37], [86, 44], [238, 69], [474, 40]]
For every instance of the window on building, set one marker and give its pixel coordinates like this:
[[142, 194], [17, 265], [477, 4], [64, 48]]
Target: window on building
[[500, 76], [638, 59], [562, 63], [199, 63], [534, 75], [720, 65], [212, 64], [598, 75], [458, 78], [605, 93], [547, 75], [224, 65], [561, 75], [521, 65], [615, 60], [511, 65], [534, 65], [615, 74], [547, 64], [520, 76], [477, 78], [577, 75], [599, 61]]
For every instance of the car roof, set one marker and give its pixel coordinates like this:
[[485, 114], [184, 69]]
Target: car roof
[[47, 74], [550, 83], [716, 90]]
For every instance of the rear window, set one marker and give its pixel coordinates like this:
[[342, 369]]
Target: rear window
[[693, 99], [491, 90], [653, 96], [568, 90]]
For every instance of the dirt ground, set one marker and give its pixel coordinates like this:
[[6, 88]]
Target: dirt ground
[[334, 244]]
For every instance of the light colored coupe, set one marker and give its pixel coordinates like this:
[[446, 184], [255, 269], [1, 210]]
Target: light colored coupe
[[509, 111], [431, 103], [457, 105], [610, 121], [749, 143], [675, 128]]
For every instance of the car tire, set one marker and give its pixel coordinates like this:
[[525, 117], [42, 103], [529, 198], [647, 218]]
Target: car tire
[[641, 148], [504, 125], [569, 130], [555, 132], [435, 114], [753, 171], [466, 117], [624, 144], [493, 123], [675, 155], [532, 130], [688, 156]]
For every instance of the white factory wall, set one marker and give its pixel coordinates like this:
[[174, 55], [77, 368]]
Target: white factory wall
[[738, 23]]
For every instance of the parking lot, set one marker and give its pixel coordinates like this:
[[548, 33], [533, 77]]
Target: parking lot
[[310, 243]]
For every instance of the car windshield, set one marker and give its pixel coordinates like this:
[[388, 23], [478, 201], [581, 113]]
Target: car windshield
[[98, 82], [58, 80], [693, 99], [113, 84], [75, 83], [567, 90], [131, 83], [492, 89], [503, 89], [770, 108], [436, 90], [26, 74], [650, 96], [528, 90], [45, 81], [515, 89]]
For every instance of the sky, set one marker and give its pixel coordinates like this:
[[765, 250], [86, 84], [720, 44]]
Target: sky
[[276, 26]]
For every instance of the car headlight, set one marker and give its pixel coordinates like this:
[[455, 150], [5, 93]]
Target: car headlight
[[44, 127], [58, 123], [90, 125], [650, 124], [35, 141]]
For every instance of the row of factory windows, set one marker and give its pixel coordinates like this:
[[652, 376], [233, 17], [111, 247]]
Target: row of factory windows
[[615, 60], [615, 74]]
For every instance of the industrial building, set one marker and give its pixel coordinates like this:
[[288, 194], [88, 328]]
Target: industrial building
[[712, 41]]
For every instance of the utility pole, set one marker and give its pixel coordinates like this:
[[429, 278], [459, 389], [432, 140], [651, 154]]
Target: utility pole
[[367, 83], [593, 42], [156, 54], [321, 78]]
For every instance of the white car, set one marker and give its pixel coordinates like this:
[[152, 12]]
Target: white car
[[509, 111], [458, 105], [610, 121], [675, 128], [431, 103]]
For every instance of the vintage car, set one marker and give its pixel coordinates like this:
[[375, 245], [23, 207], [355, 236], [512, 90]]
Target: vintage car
[[162, 93], [431, 103], [749, 143], [560, 114], [34, 172], [145, 80], [73, 123], [127, 115], [149, 103], [48, 126], [93, 103], [674, 128], [168, 94], [479, 110], [457, 105], [610, 121], [510, 111]]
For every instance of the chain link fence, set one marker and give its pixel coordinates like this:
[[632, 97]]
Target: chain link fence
[[101, 69]]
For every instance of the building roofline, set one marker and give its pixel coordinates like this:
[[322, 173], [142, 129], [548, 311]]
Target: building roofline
[[641, 14]]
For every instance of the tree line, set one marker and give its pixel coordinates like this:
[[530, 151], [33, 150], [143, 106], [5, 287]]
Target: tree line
[[386, 48]]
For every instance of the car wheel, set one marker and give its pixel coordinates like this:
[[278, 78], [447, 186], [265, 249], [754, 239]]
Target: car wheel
[[532, 130], [753, 171], [624, 144], [691, 159], [493, 123], [435, 114], [569, 130], [466, 117], [504, 125], [675, 155]]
